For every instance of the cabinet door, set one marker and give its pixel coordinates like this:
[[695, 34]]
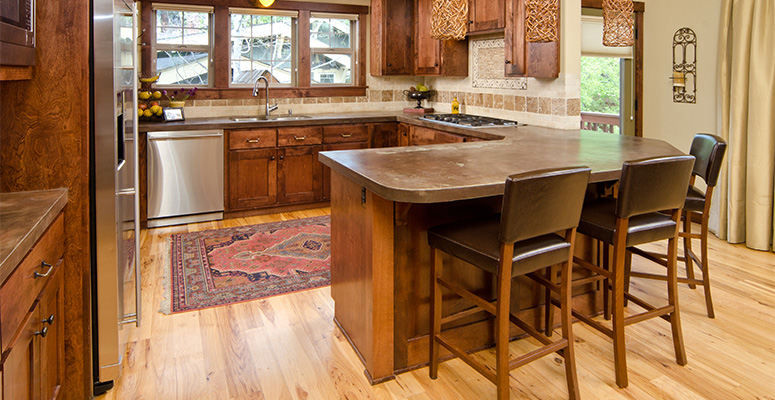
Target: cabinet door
[[421, 136], [391, 37], [299, 173], [427, 50], [327, 171], [20, 369], [403, 135], [384, 135], [252, 180], [486, 15], [537, 60], [52, 346]]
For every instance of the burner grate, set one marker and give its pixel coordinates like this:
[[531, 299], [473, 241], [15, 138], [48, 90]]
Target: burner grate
[[468, 120]]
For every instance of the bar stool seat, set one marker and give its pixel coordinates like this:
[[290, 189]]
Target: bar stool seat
[[695, 200], [476, 242], [519, 241], [599, 221]]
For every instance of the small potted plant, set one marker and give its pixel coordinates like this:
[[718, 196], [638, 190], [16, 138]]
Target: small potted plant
[[178, 98]]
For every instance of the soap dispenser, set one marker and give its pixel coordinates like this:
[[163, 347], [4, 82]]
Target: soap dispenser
[[455, 106]]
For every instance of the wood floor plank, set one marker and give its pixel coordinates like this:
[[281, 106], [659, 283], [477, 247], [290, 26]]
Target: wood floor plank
[[287, 347]]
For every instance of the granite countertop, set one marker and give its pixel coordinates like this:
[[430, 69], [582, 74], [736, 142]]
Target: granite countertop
[[448, 172], [24, 216]]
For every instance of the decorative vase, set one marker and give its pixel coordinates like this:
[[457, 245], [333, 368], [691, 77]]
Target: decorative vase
[[177, 103]]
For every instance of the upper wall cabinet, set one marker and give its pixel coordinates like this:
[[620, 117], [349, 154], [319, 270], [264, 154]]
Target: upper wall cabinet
[[401, 42], [432, 56], [536, 60], [391, 37], [486, 16]]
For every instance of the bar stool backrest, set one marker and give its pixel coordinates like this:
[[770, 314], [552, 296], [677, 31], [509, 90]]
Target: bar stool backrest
[[709, 151], [653, 184], [541, 202]]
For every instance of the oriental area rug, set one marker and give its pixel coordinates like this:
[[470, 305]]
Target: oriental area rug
[[230, 265]]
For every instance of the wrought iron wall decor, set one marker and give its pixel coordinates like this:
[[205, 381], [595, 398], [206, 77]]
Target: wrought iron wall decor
[[684, 66]]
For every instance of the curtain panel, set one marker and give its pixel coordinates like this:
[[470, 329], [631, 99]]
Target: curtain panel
[[743, 210]]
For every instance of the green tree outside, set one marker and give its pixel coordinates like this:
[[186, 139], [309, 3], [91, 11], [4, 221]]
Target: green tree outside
[[600, 85]]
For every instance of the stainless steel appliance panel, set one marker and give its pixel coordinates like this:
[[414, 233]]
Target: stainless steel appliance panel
[[185, 173]]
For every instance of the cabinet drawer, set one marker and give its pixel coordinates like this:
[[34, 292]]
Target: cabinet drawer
[[345, 133], [299, 136], [252, 139], [22, 287]]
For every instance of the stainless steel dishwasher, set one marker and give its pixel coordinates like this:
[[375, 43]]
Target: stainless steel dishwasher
[[185, 177]]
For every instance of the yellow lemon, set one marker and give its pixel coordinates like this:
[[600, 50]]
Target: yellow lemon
[[147, 113], [159, 112], [155, 109], [157, 94], [144, 95]]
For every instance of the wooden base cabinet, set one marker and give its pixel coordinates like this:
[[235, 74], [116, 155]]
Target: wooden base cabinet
[[33, 328], [252, 178], [299, 174]]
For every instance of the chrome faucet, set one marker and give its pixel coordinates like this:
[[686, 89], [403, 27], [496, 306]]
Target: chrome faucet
[[255, 94]]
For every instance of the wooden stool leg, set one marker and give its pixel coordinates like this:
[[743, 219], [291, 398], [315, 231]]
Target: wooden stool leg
[[606, 283], [549, 308], [435, 312], [704, 266], [672, 299], [617, 304], [567, 330], [627, 270], [502, 322], [688, 248]]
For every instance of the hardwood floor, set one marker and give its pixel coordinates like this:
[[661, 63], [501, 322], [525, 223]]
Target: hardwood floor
[[287, 347]]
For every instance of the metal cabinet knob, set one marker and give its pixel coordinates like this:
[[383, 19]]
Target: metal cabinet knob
[[282, 157], [271, 159], [43, 332], [49, 320], [435, 64], [508, 62]]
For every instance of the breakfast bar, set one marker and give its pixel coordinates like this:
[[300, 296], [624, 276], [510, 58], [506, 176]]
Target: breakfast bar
[[382, 203]]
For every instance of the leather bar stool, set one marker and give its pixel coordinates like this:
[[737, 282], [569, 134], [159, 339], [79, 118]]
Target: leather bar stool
[[520, 241], [709, 151], [645, 188]]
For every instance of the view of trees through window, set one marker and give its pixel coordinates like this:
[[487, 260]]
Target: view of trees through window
[[261, 45], [600, 85], [182, 47]]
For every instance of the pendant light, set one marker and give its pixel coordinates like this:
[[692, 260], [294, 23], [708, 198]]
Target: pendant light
[[266, 3], [617, 23], [541, 20], [449, 19]]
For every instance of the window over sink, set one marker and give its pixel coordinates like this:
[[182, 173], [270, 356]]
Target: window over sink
[[303, 49]]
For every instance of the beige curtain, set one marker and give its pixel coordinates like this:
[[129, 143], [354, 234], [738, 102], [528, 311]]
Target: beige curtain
[[743, 210]]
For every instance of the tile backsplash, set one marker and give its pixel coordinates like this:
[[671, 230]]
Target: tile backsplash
[[553, 103]]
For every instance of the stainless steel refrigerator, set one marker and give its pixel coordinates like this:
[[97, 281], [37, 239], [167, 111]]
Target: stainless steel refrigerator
[[114, 227]]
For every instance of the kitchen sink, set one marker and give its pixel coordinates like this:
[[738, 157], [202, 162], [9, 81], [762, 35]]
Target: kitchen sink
[[270, 118]]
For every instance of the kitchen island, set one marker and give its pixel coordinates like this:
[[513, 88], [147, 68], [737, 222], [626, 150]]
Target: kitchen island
[[384, 200]]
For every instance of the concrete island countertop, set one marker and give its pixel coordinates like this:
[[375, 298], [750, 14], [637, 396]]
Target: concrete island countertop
[[448, 172], [24, 216]]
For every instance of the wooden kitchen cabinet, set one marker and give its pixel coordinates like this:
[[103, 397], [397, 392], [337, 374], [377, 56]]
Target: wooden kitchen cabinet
[[536, 60], [384, 135], [420, 136], [403, 134], [391, 37], [32, 318], [252, 178], [299, 174], [486, 16], [436, 57]]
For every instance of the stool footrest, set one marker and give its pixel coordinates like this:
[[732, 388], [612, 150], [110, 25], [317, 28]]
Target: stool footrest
[[664, 278], [586, 264], [589, 279], [545, 282], [655, 257], [594, 324], [461, 314], [657, 312], [530, 330], [467, 295], [690, 235], [479, 367], [538, 353]]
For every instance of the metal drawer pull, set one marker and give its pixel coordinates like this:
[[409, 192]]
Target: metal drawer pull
[[299, 137], [346, 135], [49, 320], [252, 140], [43, 264], [43, 332]]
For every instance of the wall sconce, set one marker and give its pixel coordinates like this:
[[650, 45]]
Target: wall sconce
[[684, 66], [266, 3]]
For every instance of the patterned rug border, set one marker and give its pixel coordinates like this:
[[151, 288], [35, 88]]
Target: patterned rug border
[[166, 300]]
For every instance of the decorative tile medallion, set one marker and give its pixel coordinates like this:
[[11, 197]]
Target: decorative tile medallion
[[488, 58]]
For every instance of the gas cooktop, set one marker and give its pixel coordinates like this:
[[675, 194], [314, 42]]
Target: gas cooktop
[[468, 120]]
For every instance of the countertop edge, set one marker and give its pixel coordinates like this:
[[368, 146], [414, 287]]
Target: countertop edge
[[26, 243]]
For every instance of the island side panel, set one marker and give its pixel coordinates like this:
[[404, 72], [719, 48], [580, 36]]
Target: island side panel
[[362, 273]]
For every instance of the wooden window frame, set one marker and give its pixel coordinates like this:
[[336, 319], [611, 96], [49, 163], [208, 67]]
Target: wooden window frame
[[221, 79]]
